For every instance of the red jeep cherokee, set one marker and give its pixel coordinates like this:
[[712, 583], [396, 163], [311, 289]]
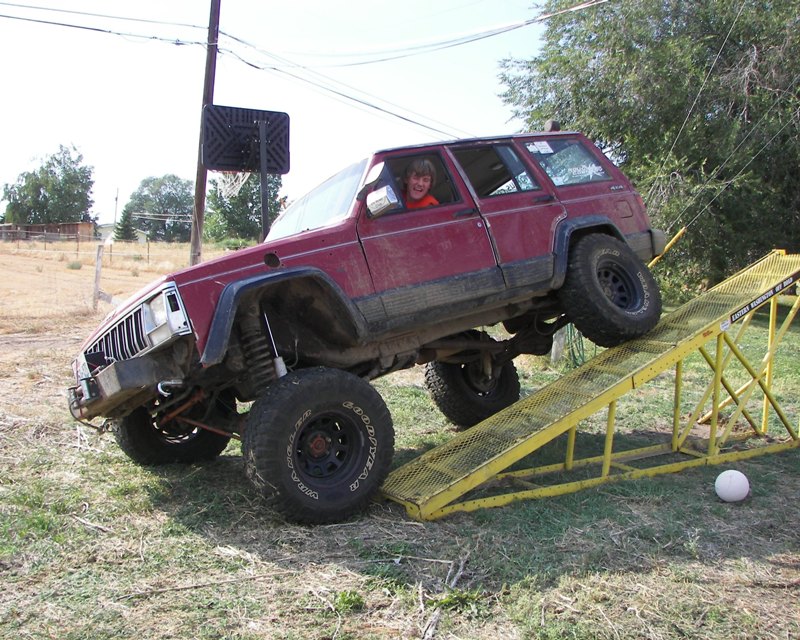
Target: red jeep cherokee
[[530, 231]]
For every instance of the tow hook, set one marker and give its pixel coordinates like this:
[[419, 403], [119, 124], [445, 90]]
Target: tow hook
[[164, 386]]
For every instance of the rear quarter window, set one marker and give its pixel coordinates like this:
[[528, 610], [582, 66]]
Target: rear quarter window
[[567, 162]]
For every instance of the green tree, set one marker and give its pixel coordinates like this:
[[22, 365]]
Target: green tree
[[124, 231], [698, 101], [239, 215], [58, 191], [163, 208]]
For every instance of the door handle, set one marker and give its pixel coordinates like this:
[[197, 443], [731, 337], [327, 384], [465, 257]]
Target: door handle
[[545, 198], [464, 212]]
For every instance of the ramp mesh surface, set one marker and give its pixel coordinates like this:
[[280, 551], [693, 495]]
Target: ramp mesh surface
[[551, 407]]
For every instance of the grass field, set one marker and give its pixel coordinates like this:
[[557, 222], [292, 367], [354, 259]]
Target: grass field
[[94, 547]]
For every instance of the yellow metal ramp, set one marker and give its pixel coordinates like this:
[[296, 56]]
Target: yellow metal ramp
[[436, 483]]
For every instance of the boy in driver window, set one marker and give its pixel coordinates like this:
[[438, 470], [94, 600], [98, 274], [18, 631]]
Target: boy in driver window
[[420, 177]]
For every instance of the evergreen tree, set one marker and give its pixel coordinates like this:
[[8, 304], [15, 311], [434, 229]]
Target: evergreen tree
[[124, 230]]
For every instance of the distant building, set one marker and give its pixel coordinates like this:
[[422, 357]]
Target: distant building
[[106, 234], [82, 231]]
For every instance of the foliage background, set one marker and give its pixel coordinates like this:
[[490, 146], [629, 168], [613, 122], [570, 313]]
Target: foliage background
[[237, 216], [698, 102], [58, 191]]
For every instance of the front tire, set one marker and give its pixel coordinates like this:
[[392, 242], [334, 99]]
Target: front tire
[[609, 294], [318, 445], [148, 441]]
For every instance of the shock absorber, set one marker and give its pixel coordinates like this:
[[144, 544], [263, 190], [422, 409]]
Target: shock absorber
[[259, 349]]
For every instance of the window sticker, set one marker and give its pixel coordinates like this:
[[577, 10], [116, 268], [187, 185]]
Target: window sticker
[[567, 162], [587, 171], [541, 146]]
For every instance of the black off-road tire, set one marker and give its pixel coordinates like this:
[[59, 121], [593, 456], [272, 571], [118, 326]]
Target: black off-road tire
[[609, 294], [318, 445], [465, 395], [147, 442]]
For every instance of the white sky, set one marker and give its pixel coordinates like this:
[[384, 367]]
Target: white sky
[[131, 106]]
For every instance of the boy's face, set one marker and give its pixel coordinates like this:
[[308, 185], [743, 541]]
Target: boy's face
[[418, 186]]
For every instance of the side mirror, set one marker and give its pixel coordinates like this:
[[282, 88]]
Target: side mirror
[[382, 201], [372, 177]]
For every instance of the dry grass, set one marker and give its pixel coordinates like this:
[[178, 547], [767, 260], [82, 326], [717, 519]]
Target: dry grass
[[92, 546]]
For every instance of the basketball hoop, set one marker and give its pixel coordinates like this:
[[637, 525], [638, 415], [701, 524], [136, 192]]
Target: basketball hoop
[[231, 182]]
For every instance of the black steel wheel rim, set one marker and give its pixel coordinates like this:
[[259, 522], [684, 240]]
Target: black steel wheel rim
[[618, 285], [326, 446]]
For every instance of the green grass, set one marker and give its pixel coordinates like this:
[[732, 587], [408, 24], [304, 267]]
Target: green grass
[[94, 546]]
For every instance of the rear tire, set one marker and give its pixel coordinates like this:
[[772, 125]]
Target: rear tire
[[318, 445], [463, 392], [609, 294]]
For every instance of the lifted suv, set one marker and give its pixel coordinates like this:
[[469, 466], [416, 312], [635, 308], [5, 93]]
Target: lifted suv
[[530, 231]]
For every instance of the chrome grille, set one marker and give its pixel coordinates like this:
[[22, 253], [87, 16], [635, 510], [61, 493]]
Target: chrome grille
[[123, 341]]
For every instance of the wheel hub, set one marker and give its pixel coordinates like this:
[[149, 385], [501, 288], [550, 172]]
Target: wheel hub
[[325, 446], [478, 379], [319, 445]]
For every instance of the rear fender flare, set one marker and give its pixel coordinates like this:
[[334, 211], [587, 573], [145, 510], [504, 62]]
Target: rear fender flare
[[563, 238]]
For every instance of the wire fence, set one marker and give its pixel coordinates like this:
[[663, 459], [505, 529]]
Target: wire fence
[[82, 248]]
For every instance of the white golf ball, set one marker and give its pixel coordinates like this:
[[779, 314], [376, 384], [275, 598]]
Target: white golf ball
[[732, 486]]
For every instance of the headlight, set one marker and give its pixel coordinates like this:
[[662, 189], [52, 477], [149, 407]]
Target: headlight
[[158, 311], [164, 317]]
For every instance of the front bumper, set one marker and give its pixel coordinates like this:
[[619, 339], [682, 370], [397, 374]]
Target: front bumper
[[118, 386], [121, 366]]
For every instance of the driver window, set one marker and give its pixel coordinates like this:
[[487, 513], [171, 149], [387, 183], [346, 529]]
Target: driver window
[[423, 181]]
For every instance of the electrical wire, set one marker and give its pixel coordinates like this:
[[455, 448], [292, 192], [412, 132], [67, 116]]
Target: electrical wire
[[408, 51], [17, 5], [174, 41], [341, 93], [741, 171], [719, 169], [696, 98]]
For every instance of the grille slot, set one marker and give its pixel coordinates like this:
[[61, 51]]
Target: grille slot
[[124, 340]]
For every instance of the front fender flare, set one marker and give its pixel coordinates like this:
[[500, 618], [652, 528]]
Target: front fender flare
[[235, 293]]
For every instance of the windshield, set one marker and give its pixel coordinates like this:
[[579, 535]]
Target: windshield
[[322, 206]]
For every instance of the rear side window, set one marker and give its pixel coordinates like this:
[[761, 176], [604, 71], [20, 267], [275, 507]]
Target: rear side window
[[494, 171], [567, 162]]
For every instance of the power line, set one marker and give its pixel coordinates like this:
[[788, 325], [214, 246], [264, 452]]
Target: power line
[[17, 5], [741, 171], [697, 97], [174, 41], [340, 93], [719, 169], [164, 217], [408, 51]]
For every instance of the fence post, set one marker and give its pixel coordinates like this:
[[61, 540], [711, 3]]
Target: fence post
[[99, 294], [98, 266]]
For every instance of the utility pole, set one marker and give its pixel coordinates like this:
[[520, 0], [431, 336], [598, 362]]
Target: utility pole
[[198, 212]]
